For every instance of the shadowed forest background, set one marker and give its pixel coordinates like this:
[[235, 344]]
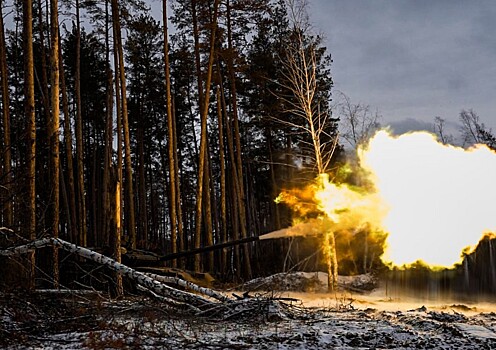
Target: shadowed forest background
[[192, 130]]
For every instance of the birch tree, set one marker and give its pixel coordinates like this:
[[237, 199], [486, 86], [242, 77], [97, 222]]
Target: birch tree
[[308, 107]]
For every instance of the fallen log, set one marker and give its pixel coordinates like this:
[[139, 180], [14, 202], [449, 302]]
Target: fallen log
[[189, 285], [149, 282]]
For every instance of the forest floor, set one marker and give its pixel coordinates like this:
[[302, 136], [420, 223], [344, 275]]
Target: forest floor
[[316, 321]]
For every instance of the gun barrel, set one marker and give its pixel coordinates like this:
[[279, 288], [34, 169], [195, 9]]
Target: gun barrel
[[208, 249]]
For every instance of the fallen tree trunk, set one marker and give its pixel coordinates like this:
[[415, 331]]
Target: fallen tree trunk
[[152, 282], [189, 285]]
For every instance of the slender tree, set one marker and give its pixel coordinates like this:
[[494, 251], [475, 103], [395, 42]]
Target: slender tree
[[54, 131], [83, 236], [203, 140], [72, 216], [7, 152], [307, 102], [173, 177], [29, 111], [239, 165], [131, 222], [223, 205]]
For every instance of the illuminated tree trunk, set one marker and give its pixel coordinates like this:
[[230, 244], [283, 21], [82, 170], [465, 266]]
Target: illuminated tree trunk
[[332, 261], [301, 79], [118, 129], [29, 110], [117, 233], [203, 140], [54, 132], [173, 177], [108, 189], [180, 228], [131, 222]]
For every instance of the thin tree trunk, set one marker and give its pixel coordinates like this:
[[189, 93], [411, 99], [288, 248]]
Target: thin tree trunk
[[68, 150], [209, 238], [196, 39], [179, 211], [223, 208], [203, 140], [234, 180], [107, 188], [54, 132], [83, 238], [142, 188], [275, 188], [173, 177], [117, 237], [119, 123], [44, 76], [29, 110], [131, 222], [8, 211], [237, 138]]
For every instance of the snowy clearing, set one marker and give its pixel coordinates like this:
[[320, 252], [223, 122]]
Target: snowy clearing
[[318, 321]]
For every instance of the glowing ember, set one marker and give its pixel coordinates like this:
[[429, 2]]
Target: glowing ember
[[440, 198]]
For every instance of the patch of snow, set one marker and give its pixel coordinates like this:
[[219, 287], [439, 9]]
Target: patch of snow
[[472, 330]]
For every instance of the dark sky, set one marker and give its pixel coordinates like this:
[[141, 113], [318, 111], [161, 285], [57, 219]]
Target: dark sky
[[413, 59]]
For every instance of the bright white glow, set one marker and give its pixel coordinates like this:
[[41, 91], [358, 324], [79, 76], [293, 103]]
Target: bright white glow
[[441, 199]]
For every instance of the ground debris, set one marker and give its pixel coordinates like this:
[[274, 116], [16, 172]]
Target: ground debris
[[310, 282], [258, 321]]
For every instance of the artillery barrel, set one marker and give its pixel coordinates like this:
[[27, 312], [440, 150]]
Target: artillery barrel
[[208, 249]]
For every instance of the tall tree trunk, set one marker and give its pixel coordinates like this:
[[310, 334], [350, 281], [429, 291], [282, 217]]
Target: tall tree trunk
[[54, 132], [223, 208], [179, 211], [29, 110], [8, 211], [131, 222], [203, 140], [108, 189], [68, 150], [275, 188], [209, 237], [44, 76], [237, 138], [234, 181], [119, 127], [173, 177], [83, 238], [116, 229], [143, 217]]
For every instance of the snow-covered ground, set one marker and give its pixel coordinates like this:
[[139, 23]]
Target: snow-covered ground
[[345, 320]]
